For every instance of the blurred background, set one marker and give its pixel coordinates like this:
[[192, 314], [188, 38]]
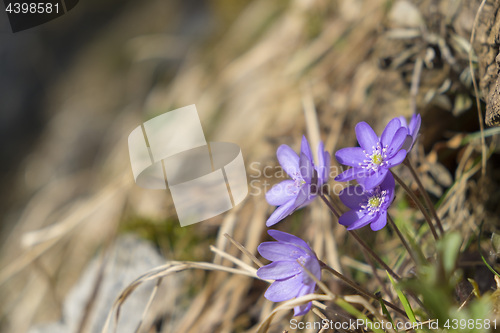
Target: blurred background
[[75, 229]]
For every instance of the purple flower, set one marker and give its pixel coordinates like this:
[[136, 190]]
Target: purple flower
[[371, 162], [291, 280], [369, 206], [306, 180], [413, 129]]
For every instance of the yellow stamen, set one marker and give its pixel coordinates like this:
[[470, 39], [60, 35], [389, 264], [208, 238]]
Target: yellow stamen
[[374, 201], [377, 159]]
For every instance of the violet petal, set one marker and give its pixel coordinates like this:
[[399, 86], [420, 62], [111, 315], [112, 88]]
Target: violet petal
[[398, 141], [302, 309], [327, 163], [397, 159], [349, 174], [353, 196], [281, 193], [304, 148], [366, 136], [390, 130], [306, 168], [282, 290], [365, 220], [303, 196], [289, 160], [374, 179], [350, 217], [380, 222], [288, 238], [351, 156], [275, 251], [280, 213], [279, 270]]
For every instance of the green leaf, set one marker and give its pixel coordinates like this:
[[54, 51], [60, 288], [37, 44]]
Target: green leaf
[[481, 252], [449, 248], [495, 243], [403, 299], [385, 311]]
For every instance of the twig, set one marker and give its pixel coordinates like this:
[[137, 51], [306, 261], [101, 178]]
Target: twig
[[360, 289], [418, 203], [424, 194], [244, 250], [400, 235], [374, 255]]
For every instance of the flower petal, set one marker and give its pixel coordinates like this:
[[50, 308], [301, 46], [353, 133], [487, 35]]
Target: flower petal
[[281, 193], [350, 217], [326, 165], [389, 131], [403, 121], [408, 143], [373, 179], [366, 136], [388, 185], [397, 141], [349, 174], [323, 166], [305, 148], [279, 270], [365, 220], [413, 129], [306, 168], [380, 222], [276, 251], [302, 309], [304, 196], [351, 156], [280, 213], [414, 126], [397, 159], [289, 160], [288, 238], [282, 290], [312, 266], [353, 196]]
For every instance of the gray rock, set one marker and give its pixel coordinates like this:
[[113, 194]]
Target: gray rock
[[130, 258]]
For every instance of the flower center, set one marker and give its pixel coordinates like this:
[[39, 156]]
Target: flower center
[[375, 201], [375, 159], [298, 182]]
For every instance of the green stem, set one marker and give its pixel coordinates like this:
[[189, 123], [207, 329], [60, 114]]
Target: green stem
[[374, 255], [330, 206], [360, 289], [400, 235], [424, 194], [419, 204]]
